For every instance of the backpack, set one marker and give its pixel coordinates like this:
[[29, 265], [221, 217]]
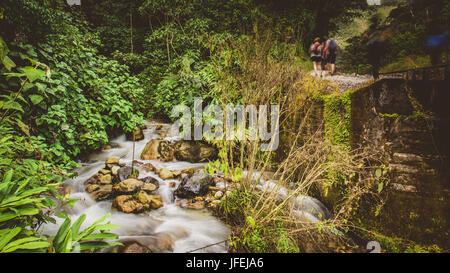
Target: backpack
[[332, 46], [315, 48]]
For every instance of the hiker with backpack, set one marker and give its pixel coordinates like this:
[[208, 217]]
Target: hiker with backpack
[[330, 52], [316, 50]]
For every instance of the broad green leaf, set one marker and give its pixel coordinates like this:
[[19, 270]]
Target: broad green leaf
[[8, 175], [11, 105], [378, 173], [380, 187], [8, 237], [21, 212], [98, 245], [76, 226], [28, 86], [67, 245], [36, 99], [101, 236], [32, 73], [23, 195], [17, 244], [8, 63], [60, 236], [31, 245], [62, 214], [23, 127]]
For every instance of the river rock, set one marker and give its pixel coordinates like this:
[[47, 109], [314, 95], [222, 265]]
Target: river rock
[[149, 187], [92, 188], [114, 145], [164, 242], [112, 161], [156, 203], [103, 193], [194, 185], [165, 174], [106, 179], [126, 203], [144, 198], [150, 151], [151, 180], [148, 167], [93, 179], [149, 201], [115, 169], [128, 186], [157, 149], [194, 152], [124, 173], [191, 204], [138, 135], [132, 246], [104, 172], [157, 243]]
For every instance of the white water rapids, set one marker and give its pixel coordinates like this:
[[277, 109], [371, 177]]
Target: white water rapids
[[189, 230]]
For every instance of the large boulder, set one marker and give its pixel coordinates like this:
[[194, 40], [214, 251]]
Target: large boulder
[[193, 185], [191, 204], [106, 179], [127, 204], [157, 149], [115, 170], [142, 202], [94, 179], [165, 174], [149, 201], [156, 243], [102, 193], [128, 186], [111, 162], [151, 180], [192, 151], [132, 246], [124, 173]]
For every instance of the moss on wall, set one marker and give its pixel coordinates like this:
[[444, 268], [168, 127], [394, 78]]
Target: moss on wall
[[337, 116]]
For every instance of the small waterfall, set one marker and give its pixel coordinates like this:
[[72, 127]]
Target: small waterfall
[[187, 230]]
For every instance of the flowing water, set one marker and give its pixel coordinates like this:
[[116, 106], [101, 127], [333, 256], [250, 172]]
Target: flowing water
[[188, 229]]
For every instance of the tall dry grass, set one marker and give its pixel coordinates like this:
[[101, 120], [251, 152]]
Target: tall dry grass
[[262, 220]]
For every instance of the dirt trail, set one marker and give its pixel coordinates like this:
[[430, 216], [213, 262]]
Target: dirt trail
[[347, 81]]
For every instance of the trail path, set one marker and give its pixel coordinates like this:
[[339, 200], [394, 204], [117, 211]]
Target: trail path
[[347, 81]]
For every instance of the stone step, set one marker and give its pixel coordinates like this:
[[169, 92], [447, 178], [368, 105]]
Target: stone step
[[407, 158], [404, 188], [411, 169], [424, 160]]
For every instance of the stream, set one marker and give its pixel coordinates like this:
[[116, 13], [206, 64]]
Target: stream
[[188, 229], [169, 228]]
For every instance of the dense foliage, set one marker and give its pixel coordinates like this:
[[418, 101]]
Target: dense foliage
[[73, 76], [59, 98]]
